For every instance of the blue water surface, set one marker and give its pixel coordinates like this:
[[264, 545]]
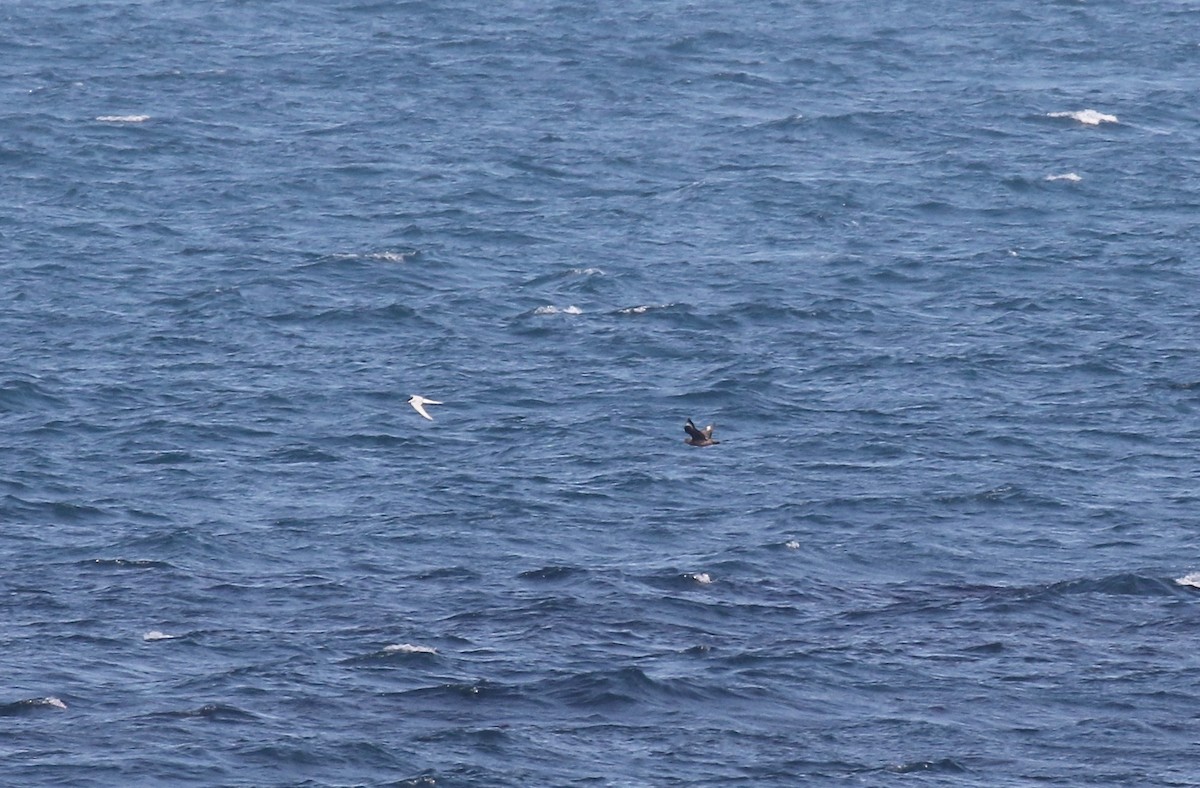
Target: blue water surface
[[929, 268]]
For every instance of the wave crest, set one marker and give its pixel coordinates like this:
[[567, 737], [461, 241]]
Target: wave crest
[[122, 118], [1089, 117], [550, 309], [408, 648]]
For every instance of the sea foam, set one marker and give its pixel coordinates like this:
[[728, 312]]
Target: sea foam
[[642, 309], [408, 648], [392, 257], [1089, 117], [154, 634], [123, 118], [31, 703]]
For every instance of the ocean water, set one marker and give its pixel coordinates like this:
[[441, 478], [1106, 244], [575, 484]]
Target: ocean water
[[930, 268]]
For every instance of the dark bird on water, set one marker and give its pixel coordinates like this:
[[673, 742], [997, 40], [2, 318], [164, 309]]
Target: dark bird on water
[[697, 436]]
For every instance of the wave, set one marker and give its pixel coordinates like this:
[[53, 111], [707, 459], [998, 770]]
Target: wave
[[1124, 584], [565, 275], [552, 573], [458, 692], [627, 686], [1121, 584], [945, 765], [216, 712], [408, 648], [1088, 591], [127, 563], [676, 315], [393, 653], [785, 122], [550, 309], [18, 395], [30, 705], [155, 634], [1066, 176], [1007, 494], [642, 309], [60, 511], [385, 256], [1089, 117], [170, 457], [679, 581], [123, 118], [393, 313], [1192, 579], [301, 455], [454, 573]]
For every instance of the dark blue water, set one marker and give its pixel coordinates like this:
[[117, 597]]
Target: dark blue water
[[930, 268]]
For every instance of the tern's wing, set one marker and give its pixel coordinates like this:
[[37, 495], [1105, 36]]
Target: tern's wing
[[691, 430], [420, 408], [432, 402]]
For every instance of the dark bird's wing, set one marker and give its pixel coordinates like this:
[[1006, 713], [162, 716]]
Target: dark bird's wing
[[695, 433]]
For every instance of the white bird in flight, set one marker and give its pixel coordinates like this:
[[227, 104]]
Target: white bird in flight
[[418, 402]]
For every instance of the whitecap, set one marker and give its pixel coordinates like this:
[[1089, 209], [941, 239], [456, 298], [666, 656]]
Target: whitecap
[[408, 648], [587, 272], [550, 309], [47, 701], [1066, 176], [1089, 117], [1192, 579], [154, 634], [642, 309], [386, 256], [123, 118], [392, 257], [792, 544], [703, 578]]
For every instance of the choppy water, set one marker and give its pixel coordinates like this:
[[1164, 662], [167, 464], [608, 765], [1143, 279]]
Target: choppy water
[[929, 267]]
